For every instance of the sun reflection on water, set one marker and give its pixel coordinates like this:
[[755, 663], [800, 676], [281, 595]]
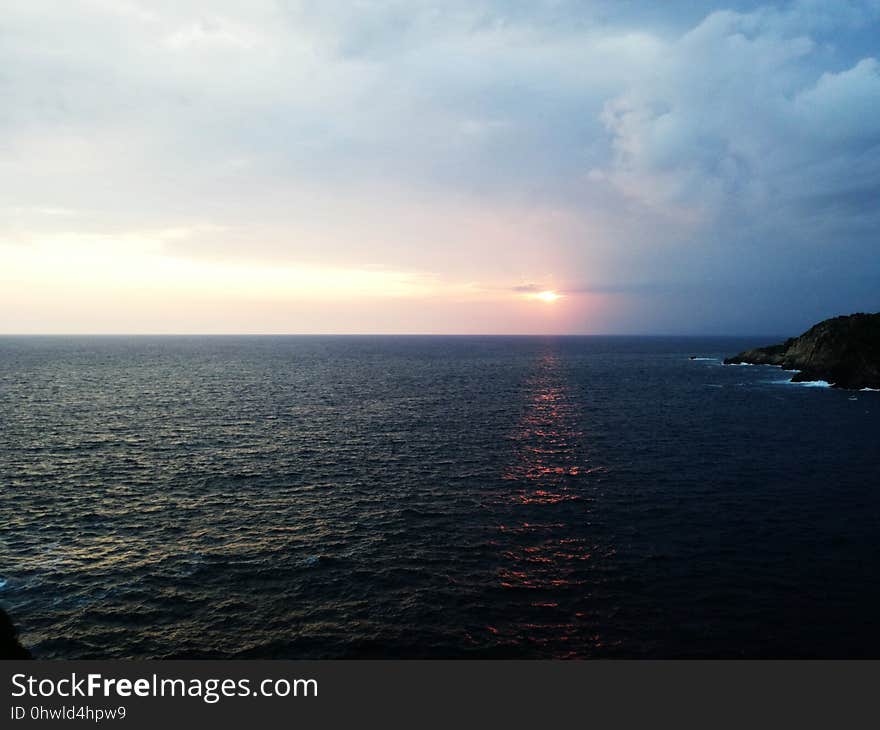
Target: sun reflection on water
[[545, 553], [548, 443]]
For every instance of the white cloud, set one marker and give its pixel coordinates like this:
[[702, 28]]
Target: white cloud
[[741, 115], [211, 32]]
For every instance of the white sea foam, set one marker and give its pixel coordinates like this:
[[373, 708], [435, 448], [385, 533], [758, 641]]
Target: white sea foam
[[804, 383], [3, 583], [872, 390], [705, 359]]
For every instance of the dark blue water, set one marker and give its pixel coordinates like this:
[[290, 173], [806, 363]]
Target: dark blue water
[[432, 497]]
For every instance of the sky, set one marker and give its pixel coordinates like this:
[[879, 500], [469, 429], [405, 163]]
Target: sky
[[399, 166]]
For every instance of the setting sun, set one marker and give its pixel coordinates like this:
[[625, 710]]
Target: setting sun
[[548, 296]]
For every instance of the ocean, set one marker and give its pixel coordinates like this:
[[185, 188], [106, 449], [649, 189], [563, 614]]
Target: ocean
[[432, 497]]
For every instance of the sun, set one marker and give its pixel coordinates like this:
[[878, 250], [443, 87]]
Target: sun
[[549, 296]]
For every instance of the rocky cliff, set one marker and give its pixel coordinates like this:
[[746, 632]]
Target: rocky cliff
[[845, 351]]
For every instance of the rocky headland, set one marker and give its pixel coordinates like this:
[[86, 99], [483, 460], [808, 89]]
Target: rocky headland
[[844, 351]]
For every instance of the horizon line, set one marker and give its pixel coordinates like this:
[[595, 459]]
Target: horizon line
[[383, 334]]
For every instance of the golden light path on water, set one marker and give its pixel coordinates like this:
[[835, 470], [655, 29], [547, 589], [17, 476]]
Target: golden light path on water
[[546, 559]]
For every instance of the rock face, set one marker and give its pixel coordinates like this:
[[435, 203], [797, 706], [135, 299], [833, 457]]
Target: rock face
[[9, 646], [845, 351]]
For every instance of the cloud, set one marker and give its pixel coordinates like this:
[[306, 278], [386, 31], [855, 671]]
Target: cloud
[[527, 288], [740, 117], [678, 154]]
